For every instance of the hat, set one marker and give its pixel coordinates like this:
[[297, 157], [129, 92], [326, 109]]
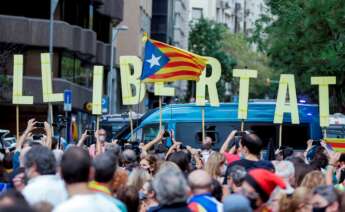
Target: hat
[[236, 203], [264, 182]]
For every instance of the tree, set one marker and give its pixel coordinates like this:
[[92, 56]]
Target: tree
[[206, 38], [306, 38], [233, 51]]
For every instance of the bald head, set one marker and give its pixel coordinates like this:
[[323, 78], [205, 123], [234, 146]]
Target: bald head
[[200, 181]]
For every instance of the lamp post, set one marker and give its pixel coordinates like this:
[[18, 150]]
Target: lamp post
[[112, 85]]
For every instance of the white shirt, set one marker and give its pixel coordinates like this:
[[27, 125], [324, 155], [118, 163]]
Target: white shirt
[[45, 188], [87, 203]]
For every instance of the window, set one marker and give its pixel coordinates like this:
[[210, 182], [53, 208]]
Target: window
[[75, 70], [197, 13]]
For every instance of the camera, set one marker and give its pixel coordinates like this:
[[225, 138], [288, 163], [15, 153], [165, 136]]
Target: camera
[[39, 124], [90, 132]]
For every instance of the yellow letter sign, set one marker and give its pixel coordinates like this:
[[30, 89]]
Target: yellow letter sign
[[244, 76], [210, 82], [97, 90], [17, 91], [47, 84], [128, 79], [161, 90], [323, 83], [286, 83]]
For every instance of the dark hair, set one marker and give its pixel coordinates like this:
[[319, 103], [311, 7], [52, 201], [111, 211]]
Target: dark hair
[[43, 158], [252, 142], [181, 159], [320, 159], [75, 165], [217, 190], [105, 167], [129, 195], [15, 196]]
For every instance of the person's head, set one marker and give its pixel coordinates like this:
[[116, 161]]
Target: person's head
[[325, 198], [216, 190], [138, 177], [39, 160], [150, 163], [129, 158], [235, 177], [200, 182], [113, 149], [75, 165], [129, 195], [299, 201], [181, 159], [320, 159], [301, 170], [250, 144], [313, 179], [11, 198], [105, 168], [258, 186], [102, 135], [207, 143], [236, 203], [215, 165], [147, 192], [119, 179], [286, 170], [283, 152], [170, 187]]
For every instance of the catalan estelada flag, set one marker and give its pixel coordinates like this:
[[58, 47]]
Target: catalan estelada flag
[[165, 63], [337, 144]]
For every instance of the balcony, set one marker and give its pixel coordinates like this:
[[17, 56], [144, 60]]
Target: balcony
[[112, 9], [32, 86], [35, 32]]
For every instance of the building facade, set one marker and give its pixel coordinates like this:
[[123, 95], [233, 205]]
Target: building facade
[[170, 24], [81, 40], [137, 17], [237, 15]]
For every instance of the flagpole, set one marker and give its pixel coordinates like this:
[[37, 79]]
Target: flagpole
[[203, 123], [160, 113], [242, 125], [280, 134], [17, 122]]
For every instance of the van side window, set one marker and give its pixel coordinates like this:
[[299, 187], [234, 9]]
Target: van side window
[[151, 131], [210, 131]]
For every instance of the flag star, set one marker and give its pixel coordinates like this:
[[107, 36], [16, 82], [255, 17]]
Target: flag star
[[154, 61]]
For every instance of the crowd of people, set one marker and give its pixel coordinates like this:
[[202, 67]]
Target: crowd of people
[[43, 175]]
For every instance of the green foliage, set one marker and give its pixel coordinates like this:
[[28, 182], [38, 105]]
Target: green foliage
[[237, 44], [206, 38], [306, 38], [233, 51]]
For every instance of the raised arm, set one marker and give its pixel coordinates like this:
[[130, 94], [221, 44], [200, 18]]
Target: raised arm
[[82, 139], [30, 127], [48, 130], [150, 144], [225, 145]]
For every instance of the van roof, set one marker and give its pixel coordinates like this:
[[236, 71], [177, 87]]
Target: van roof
[[227, 112]]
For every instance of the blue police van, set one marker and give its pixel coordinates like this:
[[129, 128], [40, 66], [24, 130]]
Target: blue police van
[[186, 121]]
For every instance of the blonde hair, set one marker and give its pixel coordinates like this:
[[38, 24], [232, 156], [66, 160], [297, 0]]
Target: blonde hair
[[313, 179], [213, 163], [301, 196], [138, 178]]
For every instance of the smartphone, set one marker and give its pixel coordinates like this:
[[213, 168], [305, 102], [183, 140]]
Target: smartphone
[[90, 132], [36, 137], [166, 134], [39, 124], [316, 143]]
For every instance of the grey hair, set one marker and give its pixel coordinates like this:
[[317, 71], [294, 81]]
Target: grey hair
[[129, 156], [43, 158], [170, 187]]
